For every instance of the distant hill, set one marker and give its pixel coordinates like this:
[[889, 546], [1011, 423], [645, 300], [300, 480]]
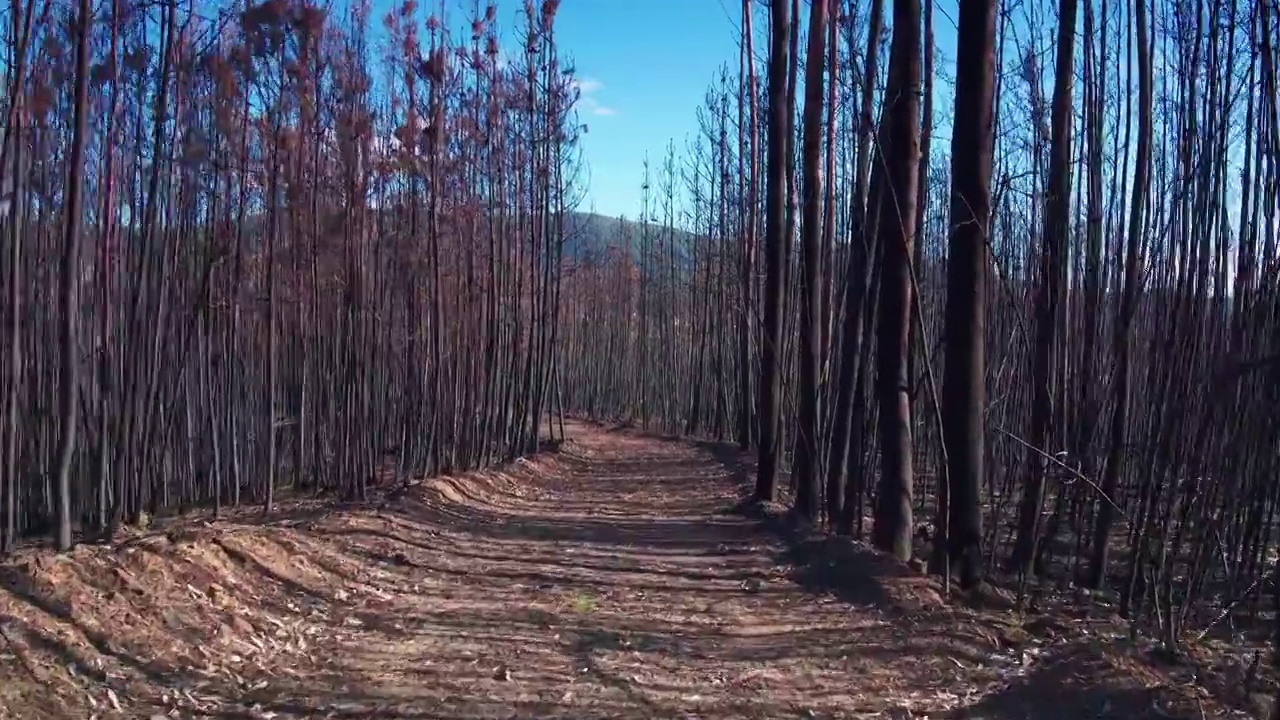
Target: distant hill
[[589, 235]]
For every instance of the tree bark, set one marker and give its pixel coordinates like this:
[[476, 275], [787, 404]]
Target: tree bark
[[900, 155], [69, 383], [807, 466], [965, 322], [775, 248]]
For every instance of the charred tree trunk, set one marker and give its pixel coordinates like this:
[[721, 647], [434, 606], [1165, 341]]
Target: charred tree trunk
[[807, 466], [964, 376], [775, 252], [900, 154], [69, 383], [1049, 293]]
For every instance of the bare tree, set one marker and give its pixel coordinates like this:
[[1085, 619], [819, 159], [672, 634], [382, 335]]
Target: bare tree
[[899, 154], [776, 241], [69, 383], [808, 431], [964, 377]]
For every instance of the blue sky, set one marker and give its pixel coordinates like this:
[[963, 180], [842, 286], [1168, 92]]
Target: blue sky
[[645, 66]]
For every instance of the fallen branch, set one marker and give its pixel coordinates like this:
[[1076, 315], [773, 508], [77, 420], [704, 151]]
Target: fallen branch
[[1072, 471]]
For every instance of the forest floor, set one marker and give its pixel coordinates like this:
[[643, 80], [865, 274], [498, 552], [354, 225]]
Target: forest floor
[[612, 578]]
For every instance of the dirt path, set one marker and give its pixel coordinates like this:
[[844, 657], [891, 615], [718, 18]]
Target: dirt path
[[606, 580]]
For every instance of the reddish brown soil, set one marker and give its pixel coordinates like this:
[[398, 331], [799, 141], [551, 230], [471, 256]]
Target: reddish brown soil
[[609, 579]]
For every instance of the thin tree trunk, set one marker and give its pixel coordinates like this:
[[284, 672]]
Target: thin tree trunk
[[900, 155], [964, 376], [807, 466], [776, 252], [69, 382]]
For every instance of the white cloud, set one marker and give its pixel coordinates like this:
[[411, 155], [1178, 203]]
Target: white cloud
[[590, 105], [587, 85], [587, 88]]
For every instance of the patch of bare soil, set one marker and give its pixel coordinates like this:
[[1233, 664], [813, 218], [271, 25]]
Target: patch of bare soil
[[604, 580]]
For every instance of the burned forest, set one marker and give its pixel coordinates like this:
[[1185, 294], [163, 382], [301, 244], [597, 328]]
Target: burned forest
[[936, 372]]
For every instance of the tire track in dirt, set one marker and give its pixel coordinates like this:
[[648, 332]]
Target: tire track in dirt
[[609, 579]]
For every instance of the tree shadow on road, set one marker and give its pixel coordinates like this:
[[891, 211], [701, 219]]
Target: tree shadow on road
[[821, 562]]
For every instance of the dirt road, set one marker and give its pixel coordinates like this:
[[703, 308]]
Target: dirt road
[[609, 579]]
